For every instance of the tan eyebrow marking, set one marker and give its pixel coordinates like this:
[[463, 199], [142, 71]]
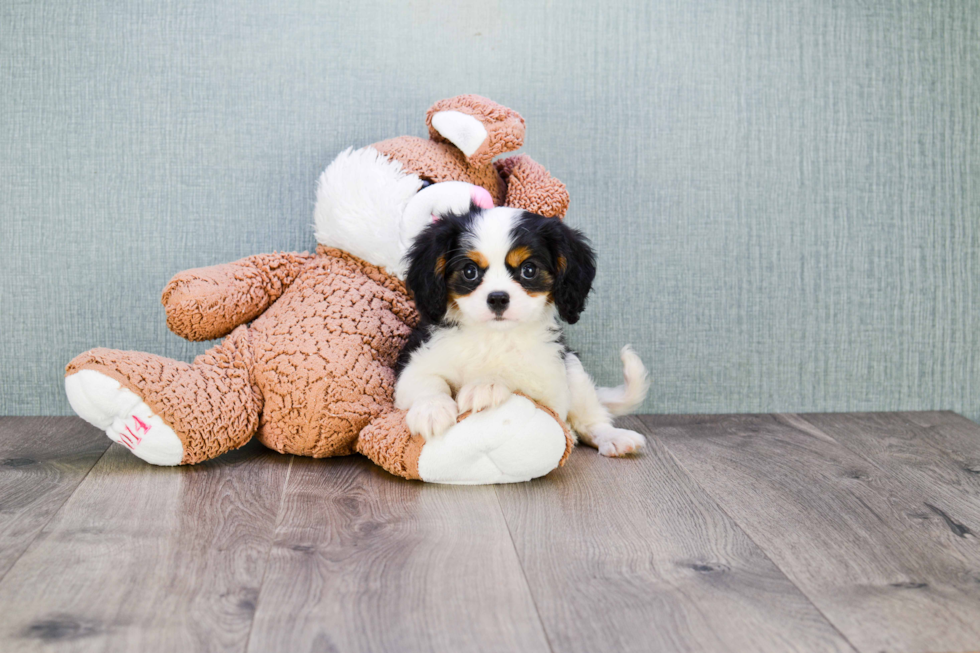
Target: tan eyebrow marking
[[517, 256], [478, 258]]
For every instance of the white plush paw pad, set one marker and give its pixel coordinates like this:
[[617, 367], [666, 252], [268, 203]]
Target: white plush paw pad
[[617, 442], [481, 395], [102, 402], [432, 416], [511, 443]]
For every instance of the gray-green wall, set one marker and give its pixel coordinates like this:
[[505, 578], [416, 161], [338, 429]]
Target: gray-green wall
[[785, 195]]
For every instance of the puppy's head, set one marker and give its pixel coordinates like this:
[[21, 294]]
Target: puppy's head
[[499, 267]]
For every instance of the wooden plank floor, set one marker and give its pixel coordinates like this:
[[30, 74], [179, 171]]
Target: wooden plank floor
[[836, 532]]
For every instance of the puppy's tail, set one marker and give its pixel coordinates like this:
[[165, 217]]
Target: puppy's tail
[[624, 399]]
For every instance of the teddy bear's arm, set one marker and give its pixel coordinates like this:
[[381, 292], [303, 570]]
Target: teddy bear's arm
[[531, 187], [207, 303]]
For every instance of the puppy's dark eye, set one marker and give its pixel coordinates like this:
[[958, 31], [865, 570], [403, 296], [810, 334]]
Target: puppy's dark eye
[[470, 272], [528, 270], [425, 184]]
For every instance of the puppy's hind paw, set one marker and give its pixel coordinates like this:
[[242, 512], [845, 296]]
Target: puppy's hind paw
[[432, 416], [615, 442], [481, 395]]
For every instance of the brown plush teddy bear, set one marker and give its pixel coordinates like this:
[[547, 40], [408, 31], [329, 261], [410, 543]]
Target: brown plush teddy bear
[[312, 339]]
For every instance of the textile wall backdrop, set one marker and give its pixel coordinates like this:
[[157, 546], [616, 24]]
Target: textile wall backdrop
[[785, 196]]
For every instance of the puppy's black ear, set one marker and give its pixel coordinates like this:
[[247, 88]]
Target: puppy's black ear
[[574, 270], [427, 268]]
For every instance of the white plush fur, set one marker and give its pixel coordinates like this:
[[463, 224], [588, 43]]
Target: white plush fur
[[430, 204], [102, 402], [370, 206], [483, 357], [516, 442], [360, 200], [462, 130]]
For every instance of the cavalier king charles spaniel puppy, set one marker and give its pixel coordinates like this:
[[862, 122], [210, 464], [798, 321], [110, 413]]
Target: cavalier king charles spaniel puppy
[[490, 286]]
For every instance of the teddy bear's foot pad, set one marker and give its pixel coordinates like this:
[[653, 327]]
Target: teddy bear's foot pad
[[102, 402], [512, 443]]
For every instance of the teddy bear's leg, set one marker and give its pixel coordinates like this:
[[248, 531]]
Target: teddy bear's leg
[[168, 412], [517, 441], [388, 443]]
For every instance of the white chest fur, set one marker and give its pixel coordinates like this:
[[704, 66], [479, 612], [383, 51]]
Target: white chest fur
[[525, 357]]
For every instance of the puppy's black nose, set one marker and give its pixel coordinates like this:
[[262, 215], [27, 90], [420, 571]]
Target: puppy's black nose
[[498, 301]]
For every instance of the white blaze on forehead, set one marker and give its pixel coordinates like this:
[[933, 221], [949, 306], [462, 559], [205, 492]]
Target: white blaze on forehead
[[464, 131], [492, 236]]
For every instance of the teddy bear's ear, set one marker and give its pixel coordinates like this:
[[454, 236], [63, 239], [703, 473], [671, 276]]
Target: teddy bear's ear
[[479, 127], [531, 187]]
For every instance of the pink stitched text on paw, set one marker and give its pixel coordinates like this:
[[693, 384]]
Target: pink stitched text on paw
[[131, 436]]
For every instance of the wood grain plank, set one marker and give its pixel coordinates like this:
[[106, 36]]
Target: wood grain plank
[[145, 558], [364, 561], [919, 456], [631, 555], [956, 436], [888, 573], [42, 461]]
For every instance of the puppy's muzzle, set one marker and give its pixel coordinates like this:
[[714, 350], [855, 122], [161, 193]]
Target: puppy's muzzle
[[498, 302]]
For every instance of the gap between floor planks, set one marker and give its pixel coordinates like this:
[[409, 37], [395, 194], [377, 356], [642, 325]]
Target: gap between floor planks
[[862, 528], [307, 581], [345, 555], [628, 596], [43, 461]]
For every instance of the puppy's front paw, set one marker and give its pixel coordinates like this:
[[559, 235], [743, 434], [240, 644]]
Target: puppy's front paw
[[481, 395], [618, 442], [432, 416]]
